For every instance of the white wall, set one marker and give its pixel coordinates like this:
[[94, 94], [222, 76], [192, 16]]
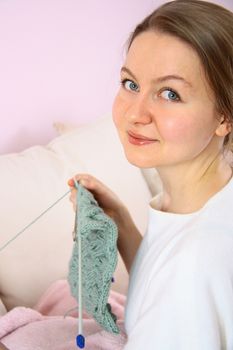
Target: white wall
[[59, 61]]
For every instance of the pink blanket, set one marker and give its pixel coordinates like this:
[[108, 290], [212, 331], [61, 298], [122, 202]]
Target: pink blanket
[[45, 328]]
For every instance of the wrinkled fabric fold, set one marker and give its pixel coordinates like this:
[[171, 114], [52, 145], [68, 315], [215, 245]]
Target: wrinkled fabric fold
[[44, 327]]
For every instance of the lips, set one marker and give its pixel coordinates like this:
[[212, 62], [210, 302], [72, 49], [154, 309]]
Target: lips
[[137, 139]]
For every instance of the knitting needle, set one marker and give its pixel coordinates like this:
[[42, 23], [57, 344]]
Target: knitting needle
[[80, 340]]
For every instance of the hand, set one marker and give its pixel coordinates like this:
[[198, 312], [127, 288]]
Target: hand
[[106, 199], [129, 237]]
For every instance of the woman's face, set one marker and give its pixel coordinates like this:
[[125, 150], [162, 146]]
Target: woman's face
[[164, 110]]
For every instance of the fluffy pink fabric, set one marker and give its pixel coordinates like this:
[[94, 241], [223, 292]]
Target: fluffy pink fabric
[[44, 327]]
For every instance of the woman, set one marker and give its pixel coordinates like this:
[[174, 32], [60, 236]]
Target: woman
[[174, 112]]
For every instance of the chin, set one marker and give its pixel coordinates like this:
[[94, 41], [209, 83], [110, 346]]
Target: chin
[[140, 161]]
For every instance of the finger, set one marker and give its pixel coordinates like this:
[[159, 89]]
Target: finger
[[86, 180], [81, 178], [70, 182], [90, 182], [72, 199]]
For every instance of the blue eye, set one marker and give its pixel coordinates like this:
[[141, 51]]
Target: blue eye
[[170, 95], [129, 85]]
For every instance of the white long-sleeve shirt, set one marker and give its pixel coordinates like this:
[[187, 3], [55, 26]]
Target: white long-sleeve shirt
[[181, 285]]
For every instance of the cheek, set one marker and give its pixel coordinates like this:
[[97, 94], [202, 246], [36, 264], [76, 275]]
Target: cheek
[[117, 111], [175, 129], [187, 128]]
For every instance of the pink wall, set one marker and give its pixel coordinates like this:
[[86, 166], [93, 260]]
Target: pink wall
[[59, 61]]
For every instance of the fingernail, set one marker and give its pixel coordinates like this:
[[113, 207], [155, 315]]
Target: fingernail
[[71, 182]]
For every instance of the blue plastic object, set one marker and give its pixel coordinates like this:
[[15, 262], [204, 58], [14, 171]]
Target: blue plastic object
[[80, 341]]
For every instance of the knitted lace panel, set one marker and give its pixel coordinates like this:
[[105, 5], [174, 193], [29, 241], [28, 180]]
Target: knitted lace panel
[[98, 233]]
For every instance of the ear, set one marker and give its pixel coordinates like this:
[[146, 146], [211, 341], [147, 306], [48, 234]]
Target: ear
[[224, 127]]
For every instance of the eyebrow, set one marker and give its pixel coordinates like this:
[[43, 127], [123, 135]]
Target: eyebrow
[[160, 79]]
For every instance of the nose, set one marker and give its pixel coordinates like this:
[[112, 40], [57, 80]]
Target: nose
[[140, 110]]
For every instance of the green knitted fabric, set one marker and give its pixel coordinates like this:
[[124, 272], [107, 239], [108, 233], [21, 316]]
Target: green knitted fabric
[[98, 233]]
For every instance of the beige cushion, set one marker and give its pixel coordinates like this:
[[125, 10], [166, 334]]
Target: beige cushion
[[32, 180]]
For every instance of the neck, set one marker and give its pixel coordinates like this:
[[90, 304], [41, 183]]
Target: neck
[[187, 187]]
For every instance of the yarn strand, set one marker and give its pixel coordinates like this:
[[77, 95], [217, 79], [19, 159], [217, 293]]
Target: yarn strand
[[33, 222]]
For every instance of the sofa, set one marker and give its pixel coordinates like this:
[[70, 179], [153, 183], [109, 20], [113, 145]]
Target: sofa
[[32, 180]]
